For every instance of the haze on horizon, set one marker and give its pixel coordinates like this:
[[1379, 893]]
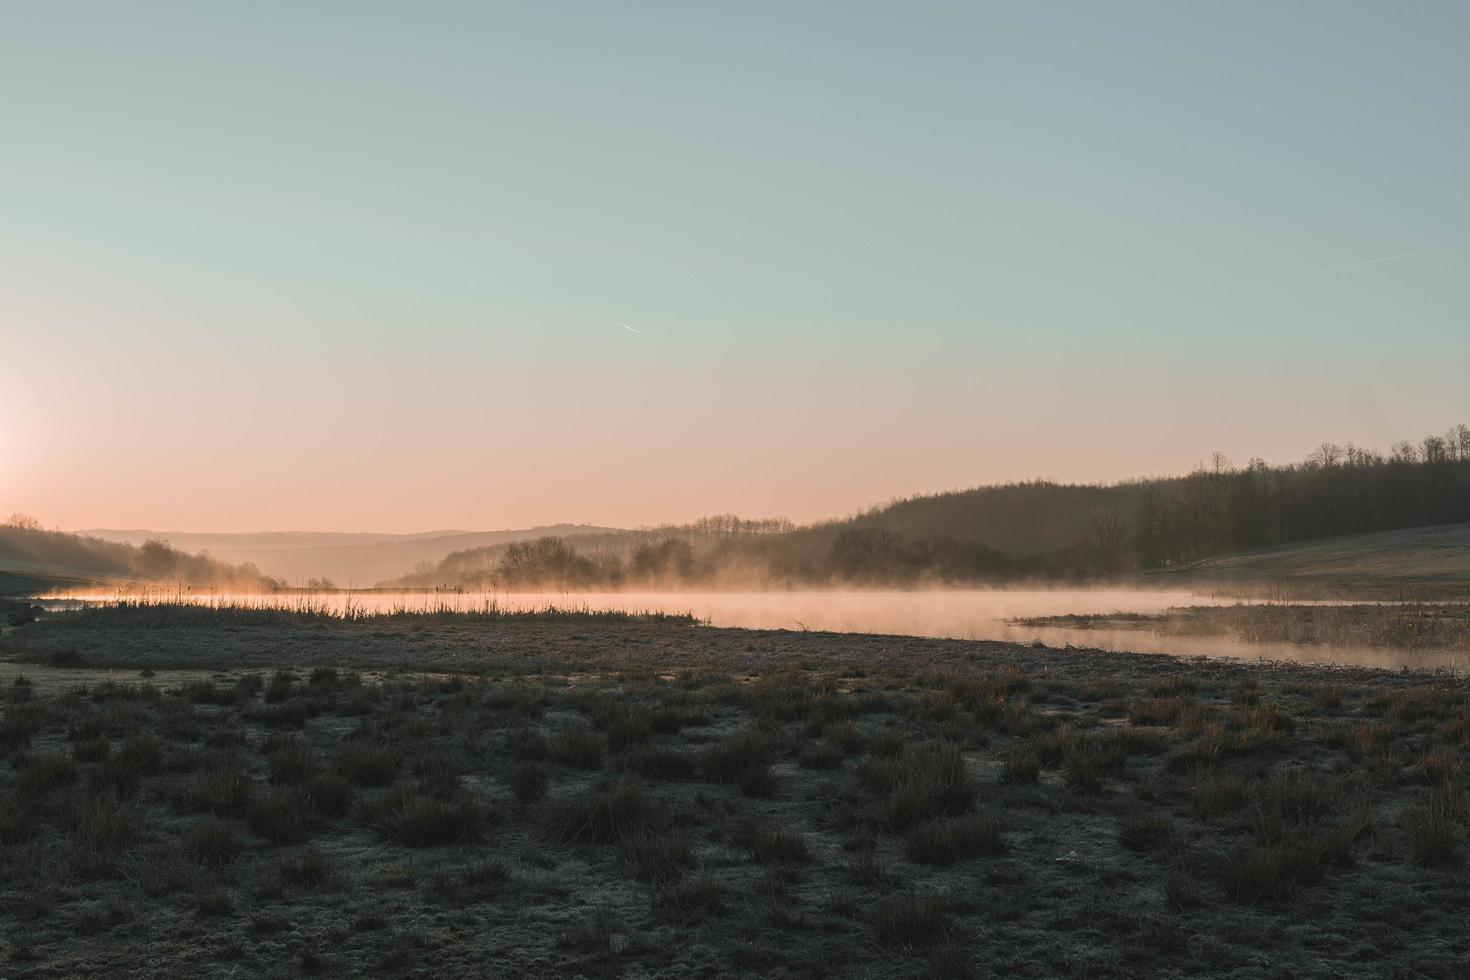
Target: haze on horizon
[[366, 267]]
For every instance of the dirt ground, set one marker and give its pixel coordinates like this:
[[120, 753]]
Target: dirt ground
[[434, 795]]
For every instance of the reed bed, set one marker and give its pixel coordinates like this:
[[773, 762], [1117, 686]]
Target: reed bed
[[282, 610]]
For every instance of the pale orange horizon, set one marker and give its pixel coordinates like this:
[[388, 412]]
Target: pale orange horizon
[[653, 268]]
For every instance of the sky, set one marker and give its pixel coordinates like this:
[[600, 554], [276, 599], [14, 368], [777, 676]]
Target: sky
[[390, 267]]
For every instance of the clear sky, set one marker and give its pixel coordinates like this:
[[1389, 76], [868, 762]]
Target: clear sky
[[368, 265]]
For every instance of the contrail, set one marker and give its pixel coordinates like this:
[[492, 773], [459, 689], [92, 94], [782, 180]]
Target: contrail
[[1350, 265], [626, 327]]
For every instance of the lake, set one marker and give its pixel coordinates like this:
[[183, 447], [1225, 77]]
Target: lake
[[975, 614]]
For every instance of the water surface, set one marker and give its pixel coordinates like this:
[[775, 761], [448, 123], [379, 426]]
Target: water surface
[[975, 614]]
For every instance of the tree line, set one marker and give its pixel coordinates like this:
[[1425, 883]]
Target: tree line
[[1020, 531], [29, 550], [1338, 489]]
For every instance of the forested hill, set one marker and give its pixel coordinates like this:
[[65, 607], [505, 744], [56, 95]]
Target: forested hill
[[31, 558], [1017, 531], [1217, 509], [1022, 519]]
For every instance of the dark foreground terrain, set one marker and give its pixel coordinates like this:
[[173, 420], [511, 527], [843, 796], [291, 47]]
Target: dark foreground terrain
[[195, 793]]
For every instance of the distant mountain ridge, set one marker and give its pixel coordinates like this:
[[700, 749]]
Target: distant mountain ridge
[[347, 559], [255, 540], [32, 558]]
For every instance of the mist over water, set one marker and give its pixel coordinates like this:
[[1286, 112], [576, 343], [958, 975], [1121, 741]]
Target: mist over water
[[971, 614]]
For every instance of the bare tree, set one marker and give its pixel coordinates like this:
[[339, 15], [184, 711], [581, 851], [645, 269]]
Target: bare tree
[[1107, 532], [1327, 455], [1459, 437]]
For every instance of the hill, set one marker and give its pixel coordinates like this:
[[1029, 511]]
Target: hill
[[344, 559], [1418, 561], [32, 558], [1021, 531]]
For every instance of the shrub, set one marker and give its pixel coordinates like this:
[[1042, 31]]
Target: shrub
[[145, 751], [330, 794], [66, 658], [1328, 697], [778, 846], [928, 780], [1091, 761], [627, 726], [1289, 804], [846, 736], [654, 762], [1182, 893], [671, 721], [1214, 794], [17, 819], [1457, 729], [212, 841], [602, 814], [418, 820], [1336, 841], [207, 692], [222, 788], [308, 869], [576, 746], [290, 761], [1430, 831], [117, 776], [731, 757], [38, 774], [687, 899], [591, 936], [368, 763], [823, 755], [1245, 693], [529, 782], [866, 868], [1365, 739], [362, 701], [101, 829], [1263, 721], [278, 815], [292, 714], [1053, 747], [653, 855], [1441, 767], [946, 840], [91, 749], [279, 688], [911, 918], [758, 782], [1157, 711], [21, 722], [323, 677], [526, 745], [1021, 767], [884, 744], [1145, 831], [1267, 873]]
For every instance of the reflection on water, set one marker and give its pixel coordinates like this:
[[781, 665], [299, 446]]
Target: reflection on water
[[979, 614]]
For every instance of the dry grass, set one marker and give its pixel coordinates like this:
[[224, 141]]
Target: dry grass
[[775, 804]]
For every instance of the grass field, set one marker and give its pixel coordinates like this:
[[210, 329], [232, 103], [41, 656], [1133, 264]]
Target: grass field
[[647, 797], [1415, 563]]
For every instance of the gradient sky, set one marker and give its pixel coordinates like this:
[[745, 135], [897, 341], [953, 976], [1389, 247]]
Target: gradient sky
[[364, 265]]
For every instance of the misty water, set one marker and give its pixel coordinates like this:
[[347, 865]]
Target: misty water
[[974, 614]]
